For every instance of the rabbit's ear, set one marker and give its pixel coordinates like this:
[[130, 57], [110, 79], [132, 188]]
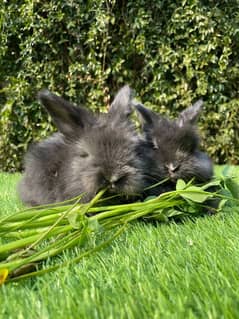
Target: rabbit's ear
[[190, 115], [147, 117], [121, 106], [68, 118]]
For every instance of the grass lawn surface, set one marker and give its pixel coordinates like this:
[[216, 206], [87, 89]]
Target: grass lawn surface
[[174, 270]]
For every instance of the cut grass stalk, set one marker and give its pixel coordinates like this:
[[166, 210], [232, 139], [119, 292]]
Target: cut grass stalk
[[71, 261], [70, 225]]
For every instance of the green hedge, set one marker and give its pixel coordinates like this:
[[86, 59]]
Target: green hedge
[[170, 52]]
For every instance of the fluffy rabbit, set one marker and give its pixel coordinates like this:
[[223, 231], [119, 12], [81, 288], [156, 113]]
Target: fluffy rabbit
[[176, 147], [88, 153]]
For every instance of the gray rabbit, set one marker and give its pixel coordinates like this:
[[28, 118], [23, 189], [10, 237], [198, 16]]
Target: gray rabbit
[[88, 153], [175, 145]]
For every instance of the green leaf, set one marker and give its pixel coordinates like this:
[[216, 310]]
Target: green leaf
[[180, 184], [94, 225], [227, 171], [171, 212], [195, 194], [160, 217], [74, 220], [222, 204], [232, 186], [149, 198], [211, 184]]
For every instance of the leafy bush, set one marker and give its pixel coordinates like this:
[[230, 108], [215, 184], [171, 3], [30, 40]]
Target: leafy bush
[[170, 52]]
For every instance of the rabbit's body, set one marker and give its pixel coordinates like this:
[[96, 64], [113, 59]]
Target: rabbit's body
[[43, 169], [91, 153], [175, 145]]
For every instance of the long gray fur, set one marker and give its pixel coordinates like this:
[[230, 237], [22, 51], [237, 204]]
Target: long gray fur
[[176, 150], [88, 153]]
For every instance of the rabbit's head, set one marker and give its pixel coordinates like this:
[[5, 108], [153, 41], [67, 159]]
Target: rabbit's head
[[103, 150], [176, 145]]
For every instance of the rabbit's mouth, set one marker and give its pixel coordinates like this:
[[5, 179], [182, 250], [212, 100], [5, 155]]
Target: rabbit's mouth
[[121, 191], [123, 197], [113, 183], [124, 188]]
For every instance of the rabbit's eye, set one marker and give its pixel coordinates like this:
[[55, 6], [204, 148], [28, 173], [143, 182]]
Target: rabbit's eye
[[84, 154]]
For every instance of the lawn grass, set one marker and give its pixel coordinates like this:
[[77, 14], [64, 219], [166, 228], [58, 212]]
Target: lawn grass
[[175, 270]]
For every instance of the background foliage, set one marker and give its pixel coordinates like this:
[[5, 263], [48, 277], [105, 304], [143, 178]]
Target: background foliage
[[170, 52]]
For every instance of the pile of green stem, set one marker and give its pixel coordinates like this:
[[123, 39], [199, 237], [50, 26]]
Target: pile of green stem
[[34, 235]]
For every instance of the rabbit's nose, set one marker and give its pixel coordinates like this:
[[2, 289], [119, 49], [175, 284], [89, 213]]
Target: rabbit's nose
[[112, 185], [109, 181], [113, 180], [172, 167]]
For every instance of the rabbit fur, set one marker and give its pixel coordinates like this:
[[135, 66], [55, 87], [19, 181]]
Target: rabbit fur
[[89, 152], [175, 144]]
